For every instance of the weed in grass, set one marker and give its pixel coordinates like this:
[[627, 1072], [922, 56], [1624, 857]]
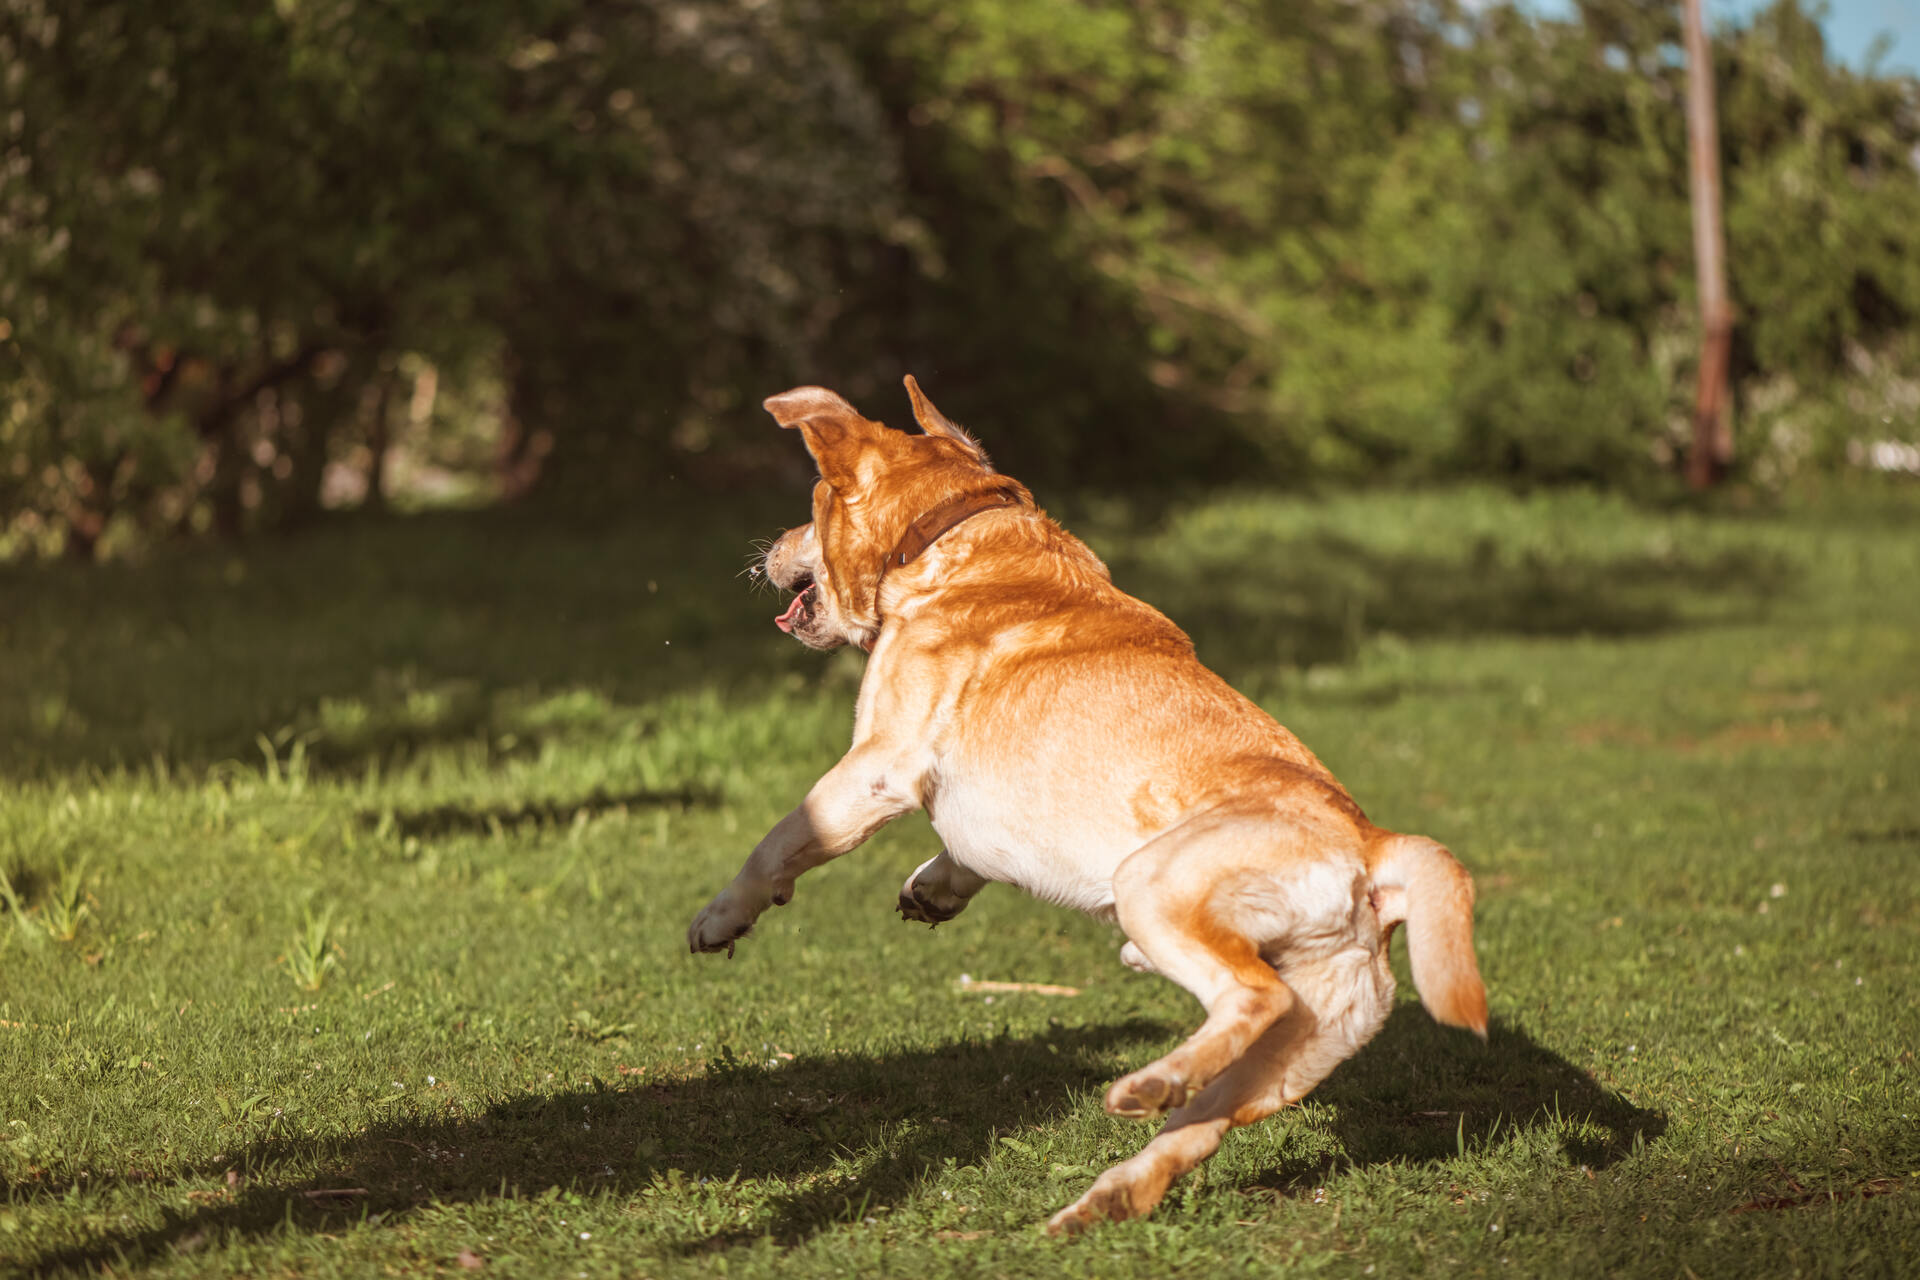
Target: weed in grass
[[63, 903], [16, 906], [291, 773], [587, 1026], [312, 954], [66, 906]]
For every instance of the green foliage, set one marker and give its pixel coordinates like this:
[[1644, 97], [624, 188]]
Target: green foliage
[[247, 222], [1427, 239], [251, 253]]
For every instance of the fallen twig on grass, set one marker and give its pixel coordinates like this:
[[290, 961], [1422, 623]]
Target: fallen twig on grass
[[969, 983]]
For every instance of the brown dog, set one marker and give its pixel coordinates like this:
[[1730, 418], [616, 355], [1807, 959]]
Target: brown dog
[[1063, 737]]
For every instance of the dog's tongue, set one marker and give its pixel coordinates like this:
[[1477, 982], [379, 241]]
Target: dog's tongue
[[786, 620]]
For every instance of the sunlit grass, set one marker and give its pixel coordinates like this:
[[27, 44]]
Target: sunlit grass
[[378, 852]]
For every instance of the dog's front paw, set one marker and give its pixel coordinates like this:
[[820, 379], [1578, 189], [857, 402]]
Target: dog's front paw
[[921, 907], [721, 923]]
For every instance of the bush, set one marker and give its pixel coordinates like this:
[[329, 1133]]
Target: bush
[[1182, 240]]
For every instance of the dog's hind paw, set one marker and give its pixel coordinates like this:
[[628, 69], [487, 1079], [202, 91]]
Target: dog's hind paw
[[1103, 1202], [1146, 1093]]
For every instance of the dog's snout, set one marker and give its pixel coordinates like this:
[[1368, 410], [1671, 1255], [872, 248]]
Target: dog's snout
[[784, 575], [785, 567]]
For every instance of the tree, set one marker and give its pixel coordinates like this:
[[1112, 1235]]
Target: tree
[[1178, 240], [1712, 451]]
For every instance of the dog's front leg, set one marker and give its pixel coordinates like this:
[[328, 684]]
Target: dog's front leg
[[870, 787]]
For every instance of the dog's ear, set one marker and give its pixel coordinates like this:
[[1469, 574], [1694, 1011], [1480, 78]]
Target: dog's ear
[[789, 407], [833, 429], [936, 423]]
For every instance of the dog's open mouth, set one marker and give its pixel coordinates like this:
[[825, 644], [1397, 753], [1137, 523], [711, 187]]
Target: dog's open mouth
[[802, 607]]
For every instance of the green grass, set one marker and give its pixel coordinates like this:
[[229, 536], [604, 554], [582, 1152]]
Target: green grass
[[378, 847]]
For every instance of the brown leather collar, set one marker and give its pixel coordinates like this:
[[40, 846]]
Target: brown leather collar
[[926, 529]]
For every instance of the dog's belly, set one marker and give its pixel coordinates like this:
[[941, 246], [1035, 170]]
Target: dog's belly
[[1068, 864]]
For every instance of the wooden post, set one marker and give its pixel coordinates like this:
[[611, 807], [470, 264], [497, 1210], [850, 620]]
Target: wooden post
[[1712, 412]]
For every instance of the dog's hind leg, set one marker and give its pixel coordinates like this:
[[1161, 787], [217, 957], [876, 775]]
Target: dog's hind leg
[[1242, 1094], [1193, 904], [938, 890], [1340, 1007]]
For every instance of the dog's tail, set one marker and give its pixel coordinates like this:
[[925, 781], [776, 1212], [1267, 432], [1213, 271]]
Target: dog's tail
[[1417, 881]]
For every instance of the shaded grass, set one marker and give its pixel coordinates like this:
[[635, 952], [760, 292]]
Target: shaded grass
[[1678, 751]]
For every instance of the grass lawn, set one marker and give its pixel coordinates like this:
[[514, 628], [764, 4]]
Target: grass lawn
[[467, 778]]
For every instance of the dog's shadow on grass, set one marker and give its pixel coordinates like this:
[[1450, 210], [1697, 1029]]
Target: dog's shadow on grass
[[845, 1135], [1422, 1093]]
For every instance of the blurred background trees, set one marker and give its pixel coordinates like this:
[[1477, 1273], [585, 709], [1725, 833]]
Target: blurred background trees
[[261, 259]]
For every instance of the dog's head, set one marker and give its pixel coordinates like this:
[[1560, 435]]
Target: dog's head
[[874, 483]]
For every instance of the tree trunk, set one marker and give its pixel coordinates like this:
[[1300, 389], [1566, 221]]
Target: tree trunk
[[324, 407], [83, 536], [379, 440], [218, 426], [1712, 450], [93, 507], [223, 491], [522, 451]]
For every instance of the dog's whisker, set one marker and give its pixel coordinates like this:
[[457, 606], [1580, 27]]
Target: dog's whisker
[[755, 569]]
